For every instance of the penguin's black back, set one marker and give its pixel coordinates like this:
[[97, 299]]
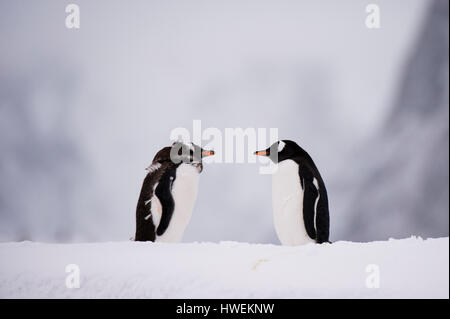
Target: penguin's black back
[[145, 229], [158, 184], [162, 174]]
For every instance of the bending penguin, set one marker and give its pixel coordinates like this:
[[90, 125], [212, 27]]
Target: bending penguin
[[299, 196], [169, 192]]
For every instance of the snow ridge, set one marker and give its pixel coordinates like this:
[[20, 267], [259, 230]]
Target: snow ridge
[[406, 268]]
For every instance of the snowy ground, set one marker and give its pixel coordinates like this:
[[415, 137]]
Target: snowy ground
[[407, 268]]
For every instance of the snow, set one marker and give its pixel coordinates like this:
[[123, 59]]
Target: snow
[[406, 268]]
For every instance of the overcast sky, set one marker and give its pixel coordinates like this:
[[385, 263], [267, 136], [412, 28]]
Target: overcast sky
[[84, 111]]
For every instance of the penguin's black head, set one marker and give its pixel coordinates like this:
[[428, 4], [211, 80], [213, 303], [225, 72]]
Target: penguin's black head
[[280, 151], [188, 153]]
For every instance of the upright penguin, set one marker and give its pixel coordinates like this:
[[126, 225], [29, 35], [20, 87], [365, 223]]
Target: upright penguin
[[169, 192], [299, 196]]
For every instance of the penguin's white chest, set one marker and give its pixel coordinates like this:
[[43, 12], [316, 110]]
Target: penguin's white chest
[[184, 193], [287, 203]]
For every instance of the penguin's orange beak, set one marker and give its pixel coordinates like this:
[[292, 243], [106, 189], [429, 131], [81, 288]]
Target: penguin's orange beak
[[207, 153], [260, 153]]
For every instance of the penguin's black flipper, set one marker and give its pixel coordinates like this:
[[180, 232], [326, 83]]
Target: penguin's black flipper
[[164, 193], [310, 194], [145, 230], [323, 216], [315, 204]]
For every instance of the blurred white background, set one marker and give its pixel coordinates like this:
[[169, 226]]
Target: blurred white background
[[82, 112]]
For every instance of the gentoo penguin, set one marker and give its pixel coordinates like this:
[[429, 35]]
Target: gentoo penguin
[[169, 192], [299, 196]]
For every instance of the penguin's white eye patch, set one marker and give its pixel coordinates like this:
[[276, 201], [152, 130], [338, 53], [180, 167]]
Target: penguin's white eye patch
[[281, 145]]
